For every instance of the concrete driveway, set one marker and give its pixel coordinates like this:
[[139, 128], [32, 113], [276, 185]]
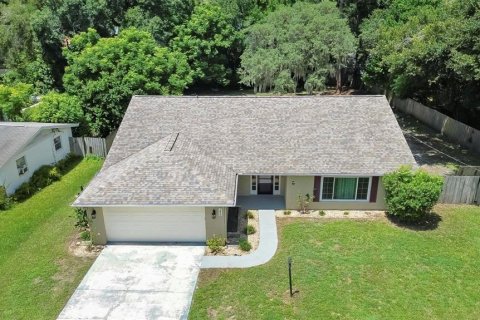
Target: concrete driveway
[[137, 282]]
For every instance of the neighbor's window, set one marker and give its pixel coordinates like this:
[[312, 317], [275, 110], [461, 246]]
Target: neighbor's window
[[22, 166], [343, 188], [57, 141]]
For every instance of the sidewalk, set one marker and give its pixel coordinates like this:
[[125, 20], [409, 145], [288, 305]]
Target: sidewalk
[[265, 251]]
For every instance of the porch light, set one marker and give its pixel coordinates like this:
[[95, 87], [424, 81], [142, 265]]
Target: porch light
[[214, 214], [94, 214]]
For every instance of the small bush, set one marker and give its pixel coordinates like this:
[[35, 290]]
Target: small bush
[[24, 191], [85, 235], [44, 176], [66, 163], [287, 212], [244, 245], [321, 213], [216, 244], [411, 195], [5, 200], [249, 214], [250, 229], [346, 213], [81, 218]]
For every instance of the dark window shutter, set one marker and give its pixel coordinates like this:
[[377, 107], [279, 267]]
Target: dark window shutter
[[374, 189], [316, 188]]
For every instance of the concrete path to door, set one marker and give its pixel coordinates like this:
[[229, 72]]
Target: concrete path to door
[[140, 282], [265, 251]]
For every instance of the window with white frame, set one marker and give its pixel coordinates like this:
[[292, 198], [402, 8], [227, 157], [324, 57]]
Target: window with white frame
[[253, 184], [57, 141], [22, 166], [276, 183], [345, 188]]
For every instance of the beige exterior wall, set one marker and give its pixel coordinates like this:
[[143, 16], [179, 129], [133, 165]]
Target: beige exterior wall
[[296, 185], [99, 234], [243, 187], [218, 226]]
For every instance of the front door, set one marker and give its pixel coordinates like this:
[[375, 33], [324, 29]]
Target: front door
[[265, 184]]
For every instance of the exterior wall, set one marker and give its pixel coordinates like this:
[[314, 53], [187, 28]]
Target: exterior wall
[[40, 151], [243, 187], [98, 232], [217, 226], [296, 185]]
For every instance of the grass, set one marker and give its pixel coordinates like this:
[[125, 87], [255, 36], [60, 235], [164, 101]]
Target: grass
[[348, 269], [37, 273]]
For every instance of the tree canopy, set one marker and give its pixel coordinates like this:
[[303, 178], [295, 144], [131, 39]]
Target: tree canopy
[[104, 73], [303, 43]]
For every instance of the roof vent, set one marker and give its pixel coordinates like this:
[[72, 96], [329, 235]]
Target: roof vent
[[171, 141]]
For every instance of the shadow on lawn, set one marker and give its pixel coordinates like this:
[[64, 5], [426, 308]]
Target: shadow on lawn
[[430, 222]]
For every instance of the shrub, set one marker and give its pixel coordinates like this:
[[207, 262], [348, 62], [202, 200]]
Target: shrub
[[411, 195], [81, 218], [85, 235], [304, 202], [250, 229], [216, 244], [5, 200], [24, 191], [346, 213], [321, 213], [249, 214], [44, 176], [287, 212], [244, 245], [66, 163]]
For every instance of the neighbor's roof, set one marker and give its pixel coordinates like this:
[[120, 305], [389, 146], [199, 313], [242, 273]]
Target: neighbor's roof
[[16, 135], [188, 150]]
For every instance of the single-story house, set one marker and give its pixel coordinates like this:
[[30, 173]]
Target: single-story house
[[178, 164], [26, 146]]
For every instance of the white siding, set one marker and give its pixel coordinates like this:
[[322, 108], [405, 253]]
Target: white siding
[[39, 152], [155, 224]]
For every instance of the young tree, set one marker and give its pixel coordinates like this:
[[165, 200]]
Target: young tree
[[13, 99], [105, 72], [56, 107], [211, 44], [302, 43]]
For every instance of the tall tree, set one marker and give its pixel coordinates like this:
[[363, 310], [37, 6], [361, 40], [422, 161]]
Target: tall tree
[[428, 50], [303, 43], [211, 44], [105, 72]]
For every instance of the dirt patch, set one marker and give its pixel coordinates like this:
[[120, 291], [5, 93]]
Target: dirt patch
[[432, 151], [83, 249]]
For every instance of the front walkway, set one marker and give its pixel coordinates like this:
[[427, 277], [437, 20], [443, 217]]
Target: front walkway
[[265, 251], [141, 282]]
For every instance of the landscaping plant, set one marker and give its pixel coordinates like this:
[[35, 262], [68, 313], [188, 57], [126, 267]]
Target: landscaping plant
[[216, 244], [304, 202], [411, 194], [4, 199], [249, 214], [244, 245], [250, 229]]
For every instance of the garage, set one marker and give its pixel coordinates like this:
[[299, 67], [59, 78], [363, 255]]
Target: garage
[[155, 224]]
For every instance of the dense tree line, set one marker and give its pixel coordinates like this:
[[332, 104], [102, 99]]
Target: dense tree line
[[85, 58]]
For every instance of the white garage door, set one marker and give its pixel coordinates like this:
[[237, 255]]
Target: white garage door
[[160, 224]]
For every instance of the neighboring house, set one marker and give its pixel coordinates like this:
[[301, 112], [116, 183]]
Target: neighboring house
[[26, 146], [179, 163]]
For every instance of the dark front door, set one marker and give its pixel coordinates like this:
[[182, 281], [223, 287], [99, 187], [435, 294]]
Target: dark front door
[[265, 184]]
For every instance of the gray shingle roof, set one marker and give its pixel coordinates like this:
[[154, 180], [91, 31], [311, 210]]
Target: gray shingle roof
[[15, 135], [220, 137]]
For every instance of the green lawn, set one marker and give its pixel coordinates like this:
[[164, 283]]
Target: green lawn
[[37, 274], [356, 270]]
